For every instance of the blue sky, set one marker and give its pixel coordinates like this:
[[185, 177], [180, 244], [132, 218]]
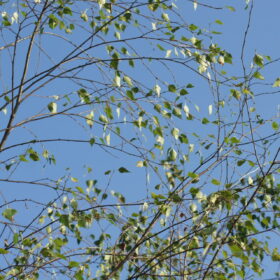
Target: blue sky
[[75, 158]]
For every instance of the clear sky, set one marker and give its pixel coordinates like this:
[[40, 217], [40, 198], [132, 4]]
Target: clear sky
[[263, 37]]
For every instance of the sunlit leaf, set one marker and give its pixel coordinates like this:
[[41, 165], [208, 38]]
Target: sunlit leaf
[[157, 89], [3, 252], [276, 83], [275, 126], [258, 60], [52, 107], [210, 109], [258, 75], [215, 182], [9, 213], [195, 4]]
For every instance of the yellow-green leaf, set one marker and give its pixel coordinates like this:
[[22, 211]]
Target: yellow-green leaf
[[52, 107], [258, 60], [258, 75], [128, 81], [3, 251], [216, 182], [9, 214], [275, 125], [276, 83], [89, 118]]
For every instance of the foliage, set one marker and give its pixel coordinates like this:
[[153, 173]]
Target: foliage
[[111, 168]]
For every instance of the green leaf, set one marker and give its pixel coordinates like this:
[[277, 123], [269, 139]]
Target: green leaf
[[216, 32], [84, 16], [192, 27], [258, 75], [53, 21], [172, 88], [175, 132], [165, 17], [258, 60], [234, 140], [232, 9], [117, 80], [33, 155], [183, 92], [236, 250], [216, 182], [172, 155], [16, 237], [89, 119], [157, 196], [177, 112], [9, 214], [275, 256], [130, 95], [108, 112], [131, 63], [193, 175], [241, 162], [103, 119], [84, 96], [235, 93], [276, 83], [205, 121], [23, 158], [6, 22], [64, 220], [228, 58], [52, 107], [128, 81], [3, 251], [67, 11], [114, 64], [73, 179], [219, 22], [183, 139], [123, 170], [45, 154], [247, 91], [73, 264], [190, 85], [275, 125]]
